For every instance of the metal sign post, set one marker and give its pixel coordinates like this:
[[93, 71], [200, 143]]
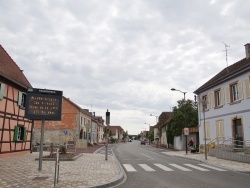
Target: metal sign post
[[43, 104], [41, 146], [186, 133]]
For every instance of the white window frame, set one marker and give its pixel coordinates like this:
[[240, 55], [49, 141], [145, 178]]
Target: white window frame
[[217, 96], [235, 92], [21, 99]]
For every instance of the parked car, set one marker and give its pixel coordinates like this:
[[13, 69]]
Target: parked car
[[130, 140], [143, 142]]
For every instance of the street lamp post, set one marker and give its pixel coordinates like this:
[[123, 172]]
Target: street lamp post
[[204, 106], [107, 124], [158, 129], [173, 89]]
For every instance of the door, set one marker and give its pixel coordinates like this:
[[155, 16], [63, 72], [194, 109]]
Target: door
[[238, 133]]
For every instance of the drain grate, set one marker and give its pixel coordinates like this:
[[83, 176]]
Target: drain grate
[[40, 178]]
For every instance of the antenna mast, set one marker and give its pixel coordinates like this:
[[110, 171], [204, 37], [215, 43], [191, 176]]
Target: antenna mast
[[226, 49]]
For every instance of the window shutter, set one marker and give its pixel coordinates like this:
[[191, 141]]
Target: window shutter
[[1, 90], [24, 133], [222, 96], [239, 85], [228, 94], [208, 101], [222, 130], [207, 130], [217, 129], [212, 100], [200, 104], [247, 88], [15, 133], [20, 95]]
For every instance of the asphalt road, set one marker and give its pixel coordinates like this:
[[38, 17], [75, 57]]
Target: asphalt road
[[147, 167]]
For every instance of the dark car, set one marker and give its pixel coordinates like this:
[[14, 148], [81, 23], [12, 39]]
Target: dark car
[[143, 142]]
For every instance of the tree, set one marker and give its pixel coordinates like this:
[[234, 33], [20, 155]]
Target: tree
[[151, 136], [185, 109]]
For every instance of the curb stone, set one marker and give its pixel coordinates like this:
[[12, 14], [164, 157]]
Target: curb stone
[[122, 177]]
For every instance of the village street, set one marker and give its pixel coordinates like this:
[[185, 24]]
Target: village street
[[149, 167]]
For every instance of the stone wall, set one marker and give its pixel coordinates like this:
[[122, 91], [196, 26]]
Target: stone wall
[[53, 136]]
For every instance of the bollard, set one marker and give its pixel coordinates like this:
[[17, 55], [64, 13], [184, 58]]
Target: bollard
[[56, 177]]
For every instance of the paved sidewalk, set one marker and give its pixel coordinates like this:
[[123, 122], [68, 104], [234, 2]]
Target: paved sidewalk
[[89, 170], [227, 164]]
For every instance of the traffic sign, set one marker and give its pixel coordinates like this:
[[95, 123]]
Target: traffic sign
[[186, 131], [65, 132]]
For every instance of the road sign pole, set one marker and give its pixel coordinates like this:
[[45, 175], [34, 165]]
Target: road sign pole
[[41, 146]]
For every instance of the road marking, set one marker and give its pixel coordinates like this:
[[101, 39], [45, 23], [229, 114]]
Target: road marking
[[147, 156], [163, 167], [129, 168], [196, 167], [146, 167], [180, 167], [215, 168]]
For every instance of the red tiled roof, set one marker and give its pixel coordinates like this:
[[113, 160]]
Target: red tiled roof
[[164, 118], [10, 70]]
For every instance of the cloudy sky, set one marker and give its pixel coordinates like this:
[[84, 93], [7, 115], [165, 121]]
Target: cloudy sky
[[124, 55]]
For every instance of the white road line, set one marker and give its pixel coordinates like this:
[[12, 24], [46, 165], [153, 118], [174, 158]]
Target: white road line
[[196, 167], [215, 168], [180, 167], [148, 156], [163, 167], [129, 168], [146, 167]]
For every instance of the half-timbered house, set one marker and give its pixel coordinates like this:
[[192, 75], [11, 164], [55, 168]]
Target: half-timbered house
[[15, 130]]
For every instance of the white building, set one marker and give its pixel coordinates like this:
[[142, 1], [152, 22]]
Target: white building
[[227, 109]]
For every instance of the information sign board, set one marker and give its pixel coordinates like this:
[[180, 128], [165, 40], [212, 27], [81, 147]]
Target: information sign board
[[43, 104]]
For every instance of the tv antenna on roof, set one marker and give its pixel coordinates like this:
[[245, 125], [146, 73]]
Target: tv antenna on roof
[[226, 49]]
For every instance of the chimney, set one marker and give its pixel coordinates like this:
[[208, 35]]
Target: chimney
[[247, 47]]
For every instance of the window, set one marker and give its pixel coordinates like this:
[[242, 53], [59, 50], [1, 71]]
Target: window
[[234, 92], [220, 129], [247, 85], [204, 102], [207, 128], [1, 90], [19, 133], [217, 95], [21, 99]]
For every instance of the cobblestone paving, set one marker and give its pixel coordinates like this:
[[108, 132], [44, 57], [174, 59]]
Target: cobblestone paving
[[88, 170]]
